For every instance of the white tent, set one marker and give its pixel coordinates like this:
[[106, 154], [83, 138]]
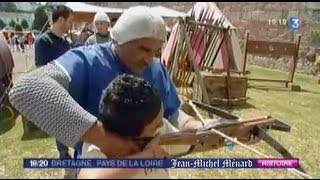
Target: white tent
[[84, 7], [85, 12], [219, 63], [167, 12], [211, 6]]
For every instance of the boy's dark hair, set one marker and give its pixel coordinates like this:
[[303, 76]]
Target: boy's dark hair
[[60, 11], [128, 104]]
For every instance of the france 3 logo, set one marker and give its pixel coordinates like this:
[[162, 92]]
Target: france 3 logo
[[294, 23]]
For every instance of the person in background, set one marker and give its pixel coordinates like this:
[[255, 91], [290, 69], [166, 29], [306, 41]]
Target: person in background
[[21, 41], [16, 41], [30, 40], [51, 45], [84, 35], [66, 92], [12, 42], [101, 23], [113, 21]]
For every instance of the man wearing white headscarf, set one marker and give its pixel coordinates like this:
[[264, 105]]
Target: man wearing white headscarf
[[67, 92], [101, 23], [62, 98]]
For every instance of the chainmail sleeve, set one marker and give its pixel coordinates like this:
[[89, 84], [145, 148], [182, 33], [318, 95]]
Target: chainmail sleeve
[[43, 98]]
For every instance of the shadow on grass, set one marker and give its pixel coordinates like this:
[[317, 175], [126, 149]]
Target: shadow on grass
[[282, 89], [7, 119], [238, 107], [229, 110], [31, 131], [34, 135]]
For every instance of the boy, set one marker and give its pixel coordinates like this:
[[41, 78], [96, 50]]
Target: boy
[[131, 108]]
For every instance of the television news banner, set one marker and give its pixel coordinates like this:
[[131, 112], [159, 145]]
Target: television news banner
[[199, 163]]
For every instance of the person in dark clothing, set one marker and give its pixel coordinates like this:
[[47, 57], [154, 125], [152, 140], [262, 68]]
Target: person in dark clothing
[[21, 42], [52, 44]]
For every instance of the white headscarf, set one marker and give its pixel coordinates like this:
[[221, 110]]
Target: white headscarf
[[138, 22]]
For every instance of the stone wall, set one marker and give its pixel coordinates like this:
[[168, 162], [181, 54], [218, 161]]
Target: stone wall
[[257, 18], [283, 64], [265, 21]]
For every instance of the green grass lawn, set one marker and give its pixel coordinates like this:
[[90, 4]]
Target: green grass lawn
[[298, 109]]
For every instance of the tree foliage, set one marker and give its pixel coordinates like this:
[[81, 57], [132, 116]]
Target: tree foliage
[[40, 18], [12, 23], [2, 24], [18, 27], [24, 24]]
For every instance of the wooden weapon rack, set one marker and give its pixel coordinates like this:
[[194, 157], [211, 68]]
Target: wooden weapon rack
[[192, 68], [274, 50]]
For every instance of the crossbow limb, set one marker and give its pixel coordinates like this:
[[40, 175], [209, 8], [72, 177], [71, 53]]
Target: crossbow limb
[[258, 129], [215, 132]]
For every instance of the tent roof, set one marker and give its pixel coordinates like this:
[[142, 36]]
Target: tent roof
[[211, 6], [167, 12], [13, 31], [85, 12], [88, 8]]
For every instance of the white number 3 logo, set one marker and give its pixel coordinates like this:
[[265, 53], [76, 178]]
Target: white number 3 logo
[[295, 23]]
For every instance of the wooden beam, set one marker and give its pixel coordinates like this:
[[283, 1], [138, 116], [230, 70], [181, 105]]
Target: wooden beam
[[193, 62], [206, 25], [294, 59], [270, 80], [245, 53]]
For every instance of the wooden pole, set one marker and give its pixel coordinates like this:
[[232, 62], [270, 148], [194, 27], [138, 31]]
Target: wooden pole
[[194, 64], [294, 61], [245, 54]]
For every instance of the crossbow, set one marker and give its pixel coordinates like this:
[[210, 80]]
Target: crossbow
[[205, 139]]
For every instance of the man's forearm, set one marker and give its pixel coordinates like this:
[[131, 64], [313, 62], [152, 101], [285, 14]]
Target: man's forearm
[[42, 97], [181, 120]]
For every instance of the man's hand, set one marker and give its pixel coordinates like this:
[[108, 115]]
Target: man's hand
[[193, 124], [253, 139], [247, 136], [110, 144]]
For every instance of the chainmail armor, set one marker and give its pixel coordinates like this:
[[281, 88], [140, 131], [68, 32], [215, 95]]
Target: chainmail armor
[[42, 97]]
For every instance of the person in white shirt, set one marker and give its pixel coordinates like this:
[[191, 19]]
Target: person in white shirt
[[131, 108]]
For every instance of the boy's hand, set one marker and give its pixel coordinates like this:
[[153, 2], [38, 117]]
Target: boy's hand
[[109, 143], [154, 148]]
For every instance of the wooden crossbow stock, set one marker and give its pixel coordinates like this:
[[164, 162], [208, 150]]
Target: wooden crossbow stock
[[204, 139]]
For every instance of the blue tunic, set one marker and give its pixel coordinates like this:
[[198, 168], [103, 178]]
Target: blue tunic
[[92, 68]]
